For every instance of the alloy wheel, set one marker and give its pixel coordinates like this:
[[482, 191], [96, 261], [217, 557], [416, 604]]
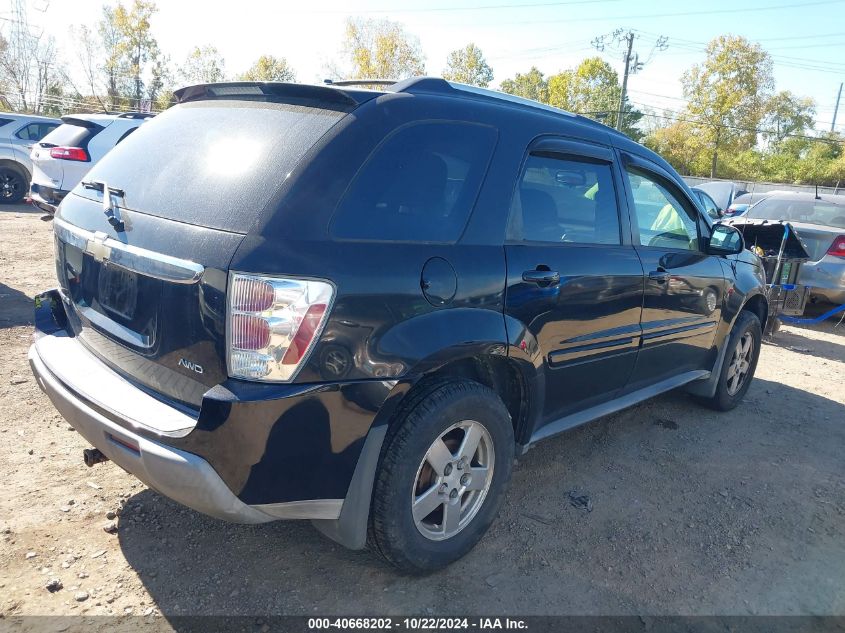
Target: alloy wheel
[[452, 480], [740, 364]]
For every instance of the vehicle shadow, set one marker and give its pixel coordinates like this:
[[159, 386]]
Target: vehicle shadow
[[682, 496], [795, 341], [15, 307]]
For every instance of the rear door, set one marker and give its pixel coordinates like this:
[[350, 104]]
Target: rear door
[[574, 282], [684, 286]]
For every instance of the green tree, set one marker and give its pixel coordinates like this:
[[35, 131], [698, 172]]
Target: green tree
[[204, 65], [531, 85], [468, 66], [788, 114], [269, 68], [137, 46], [728, 94], [593, 86], [680, 144], [380, 49]]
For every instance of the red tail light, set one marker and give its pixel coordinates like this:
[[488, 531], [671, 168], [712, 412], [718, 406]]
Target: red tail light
[[838, 247], [250, 332], [69, 153], [305, 334], [273, 323]]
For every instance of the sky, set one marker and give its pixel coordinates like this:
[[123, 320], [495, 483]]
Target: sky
[[805, 38]]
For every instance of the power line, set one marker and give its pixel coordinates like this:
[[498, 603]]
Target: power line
[[682, 14]]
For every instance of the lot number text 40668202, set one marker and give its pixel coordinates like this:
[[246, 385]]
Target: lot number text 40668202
[[417, 624]]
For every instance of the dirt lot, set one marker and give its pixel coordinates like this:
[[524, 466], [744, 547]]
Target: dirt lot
[[693, 512]]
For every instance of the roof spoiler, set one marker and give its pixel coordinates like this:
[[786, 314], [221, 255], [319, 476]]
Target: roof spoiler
[[297, 94]]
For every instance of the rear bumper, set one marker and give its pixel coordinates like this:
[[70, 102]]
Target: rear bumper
[[177, 474], [46, 198], [250, 454]]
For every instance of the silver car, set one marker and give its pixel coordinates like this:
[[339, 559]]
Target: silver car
[[820, 222], [18, 133]]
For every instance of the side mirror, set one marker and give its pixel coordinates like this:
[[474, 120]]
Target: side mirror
[[725, 240]]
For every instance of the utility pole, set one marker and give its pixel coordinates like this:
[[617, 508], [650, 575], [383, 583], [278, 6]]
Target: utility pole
[[630, 38], [836, 107], [625, 40]]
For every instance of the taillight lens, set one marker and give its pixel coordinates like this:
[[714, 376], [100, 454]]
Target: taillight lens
[[273, 324], [838, 247], [69, 153]]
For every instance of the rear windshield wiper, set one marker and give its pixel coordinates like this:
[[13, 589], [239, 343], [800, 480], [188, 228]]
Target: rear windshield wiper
[[110, 213], [97, 185]]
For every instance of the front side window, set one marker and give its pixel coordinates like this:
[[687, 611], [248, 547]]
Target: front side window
[[663, 221], [419, 185], [565, 200]]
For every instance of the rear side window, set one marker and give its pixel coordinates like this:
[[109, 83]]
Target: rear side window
[[565, 200], [215, 163], [5, 122], [419, 185]]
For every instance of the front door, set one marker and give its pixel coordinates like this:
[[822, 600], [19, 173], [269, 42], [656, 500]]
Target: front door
[[574, 284], [684, 287]]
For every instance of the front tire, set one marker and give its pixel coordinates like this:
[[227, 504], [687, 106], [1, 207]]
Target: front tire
[[741, 358], [442, 475]]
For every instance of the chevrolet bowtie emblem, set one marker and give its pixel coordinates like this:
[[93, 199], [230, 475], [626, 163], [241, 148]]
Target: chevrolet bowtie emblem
[[97, 248]]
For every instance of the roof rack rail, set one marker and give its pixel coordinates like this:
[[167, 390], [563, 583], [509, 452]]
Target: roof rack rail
[[360, 82]]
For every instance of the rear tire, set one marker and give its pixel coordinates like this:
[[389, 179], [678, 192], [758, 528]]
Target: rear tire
[[442, 476], [741, 357], [14, 185]]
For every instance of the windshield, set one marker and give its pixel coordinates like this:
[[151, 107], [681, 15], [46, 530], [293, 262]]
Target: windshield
[[820, 212]]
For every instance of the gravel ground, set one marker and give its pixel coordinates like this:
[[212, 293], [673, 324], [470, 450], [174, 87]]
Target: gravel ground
[[693, 512]]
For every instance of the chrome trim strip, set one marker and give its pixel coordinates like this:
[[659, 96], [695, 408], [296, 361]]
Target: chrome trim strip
[[308, 509], [113, 327], [139, 260]]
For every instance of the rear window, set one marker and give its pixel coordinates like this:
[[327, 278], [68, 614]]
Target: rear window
[[69, 135], [419, 185], [809, 211], [211, 163]]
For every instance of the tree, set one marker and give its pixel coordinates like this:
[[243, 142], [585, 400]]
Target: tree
[[468, 66], [531, 85], [592, 87], [137, 46], [269, 68], [728, 94], [788, 114], [203, 66], [679, 143], [380, 49]]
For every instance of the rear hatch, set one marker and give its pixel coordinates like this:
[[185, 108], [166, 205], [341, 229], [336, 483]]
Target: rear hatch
[[73, 133], [150, 300]]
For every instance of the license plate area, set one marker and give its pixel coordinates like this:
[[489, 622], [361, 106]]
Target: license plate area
[[112, 300], [117, 290]]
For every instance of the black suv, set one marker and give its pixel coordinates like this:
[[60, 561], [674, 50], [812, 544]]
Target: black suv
[[354, 306]]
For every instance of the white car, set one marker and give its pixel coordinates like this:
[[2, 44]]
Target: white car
[[62, 158], [18, 133]]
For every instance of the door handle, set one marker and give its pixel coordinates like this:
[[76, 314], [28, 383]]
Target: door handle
[[660, 276], [549, 277]]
